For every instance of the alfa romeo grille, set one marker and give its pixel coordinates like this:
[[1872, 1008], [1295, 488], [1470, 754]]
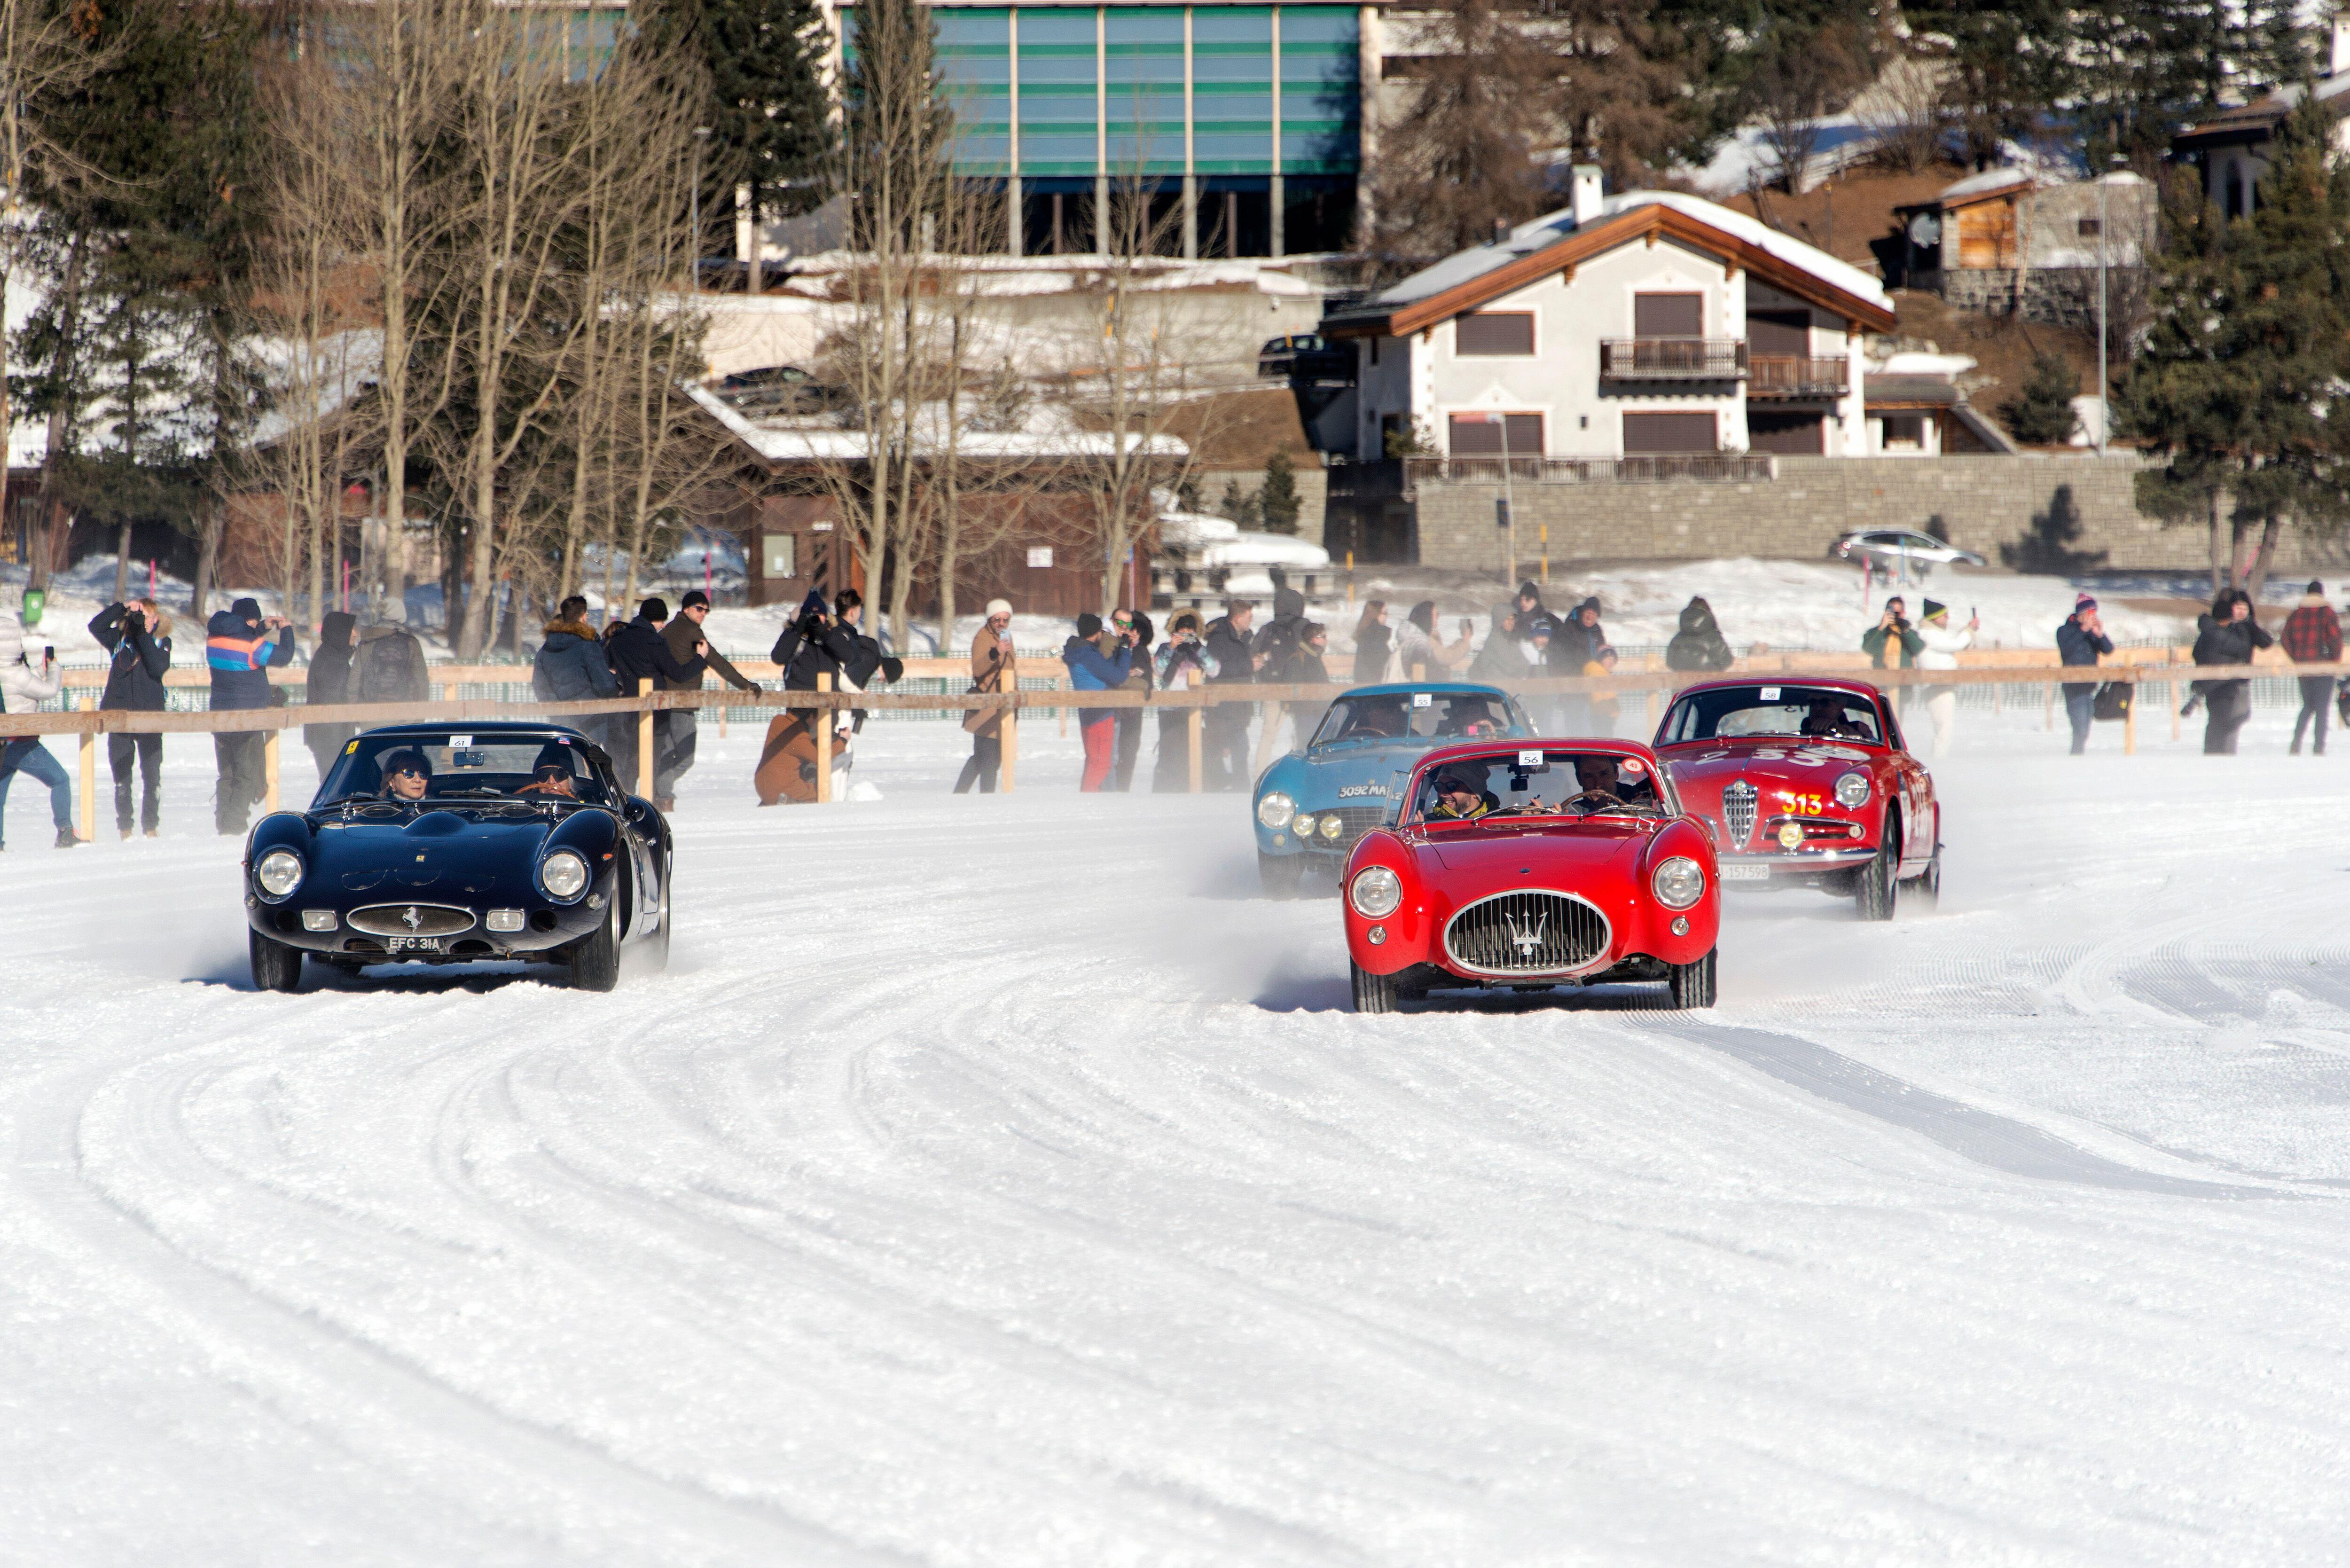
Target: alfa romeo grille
[[1526, 933], [411, 919], [1738, 812]]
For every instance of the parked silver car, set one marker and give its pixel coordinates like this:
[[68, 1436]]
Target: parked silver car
[[1901, 550]]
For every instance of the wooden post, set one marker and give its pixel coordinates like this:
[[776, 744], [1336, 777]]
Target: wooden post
[[645, 740], [90, 775], [824, 745], [1064, 713], [269, 768], [2171, 701], [1192, 725], [2129, 722], [1011, 733], [1420, 672], [2048, 718]]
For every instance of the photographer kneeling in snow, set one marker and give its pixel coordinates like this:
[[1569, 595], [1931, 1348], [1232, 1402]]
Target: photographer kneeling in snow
[[23, 690]]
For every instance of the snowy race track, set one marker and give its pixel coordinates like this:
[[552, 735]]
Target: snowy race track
[[1004, 1182]]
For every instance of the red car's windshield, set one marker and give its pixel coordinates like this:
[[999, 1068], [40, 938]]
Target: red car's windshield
[[1781, 711], [1547, 781]]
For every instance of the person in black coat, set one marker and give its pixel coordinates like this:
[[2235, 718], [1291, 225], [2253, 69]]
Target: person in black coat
[[139, 638], [812, 644], [640, 653], [1225, 730], [327, 684], [2228, 634], [1131, 719], [2080, 640], [1699, 644]]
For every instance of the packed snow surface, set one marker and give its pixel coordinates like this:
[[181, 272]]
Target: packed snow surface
[[1002, 1180]]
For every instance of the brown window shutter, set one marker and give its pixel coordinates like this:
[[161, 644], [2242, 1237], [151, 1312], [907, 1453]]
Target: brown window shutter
[[1668, 433], [1790, 434], [1668, 315], [1480, 435], [1779, 334], [1491, 332]]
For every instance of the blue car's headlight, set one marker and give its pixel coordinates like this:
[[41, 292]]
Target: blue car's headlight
[[1275, 810]]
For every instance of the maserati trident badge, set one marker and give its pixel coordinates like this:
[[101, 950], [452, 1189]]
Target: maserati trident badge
[[1529, 938]]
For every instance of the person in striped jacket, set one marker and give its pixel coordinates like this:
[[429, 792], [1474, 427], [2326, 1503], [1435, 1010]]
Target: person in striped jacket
[[242, 646]]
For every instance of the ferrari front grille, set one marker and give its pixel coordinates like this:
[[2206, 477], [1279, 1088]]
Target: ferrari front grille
[[411, 919], [1356, 821], [1532, 932], [1738, 804]]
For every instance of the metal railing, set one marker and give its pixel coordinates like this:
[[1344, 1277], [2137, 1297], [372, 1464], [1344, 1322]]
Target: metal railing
[[1672, 358], [1713, 467], [1786, 376]]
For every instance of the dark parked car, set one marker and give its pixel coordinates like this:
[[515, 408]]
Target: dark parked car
[[780, 389], [1306, 356], [467, 843]]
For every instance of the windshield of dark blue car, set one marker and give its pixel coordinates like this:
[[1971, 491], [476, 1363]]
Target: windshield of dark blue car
[[461, 769], [1415, 716]]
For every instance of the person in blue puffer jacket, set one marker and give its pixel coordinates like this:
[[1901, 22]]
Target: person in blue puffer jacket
[[1091, 670], [242, 646]]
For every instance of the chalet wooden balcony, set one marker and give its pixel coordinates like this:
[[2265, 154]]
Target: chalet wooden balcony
[[1786, 376], [1672, 358]]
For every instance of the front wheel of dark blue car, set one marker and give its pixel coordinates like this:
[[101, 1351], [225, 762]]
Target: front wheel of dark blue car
[[276, 966], [596, 958]]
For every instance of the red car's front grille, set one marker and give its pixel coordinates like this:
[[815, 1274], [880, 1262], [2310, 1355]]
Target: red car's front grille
[[1532, 932]]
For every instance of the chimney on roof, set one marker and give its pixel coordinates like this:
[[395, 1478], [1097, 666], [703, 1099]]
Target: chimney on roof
[[1587, 193], [1501, 231]]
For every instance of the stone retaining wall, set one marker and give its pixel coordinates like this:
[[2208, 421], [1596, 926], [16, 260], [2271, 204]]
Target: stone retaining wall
[[2034, 513]]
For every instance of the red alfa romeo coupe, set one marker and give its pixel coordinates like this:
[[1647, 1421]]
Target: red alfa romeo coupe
[[1805, 783], [1529, 864]]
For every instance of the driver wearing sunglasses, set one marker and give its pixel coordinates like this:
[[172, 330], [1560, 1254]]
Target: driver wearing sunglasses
[[405, 774]]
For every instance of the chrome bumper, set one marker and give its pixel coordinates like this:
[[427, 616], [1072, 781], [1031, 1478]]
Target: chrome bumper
[[1795, 865]]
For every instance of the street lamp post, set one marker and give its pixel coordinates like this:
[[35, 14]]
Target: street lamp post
[[2104, 392], [700, 139]]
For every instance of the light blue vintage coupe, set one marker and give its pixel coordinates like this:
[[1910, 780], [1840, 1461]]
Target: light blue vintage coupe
[[1312, 804]]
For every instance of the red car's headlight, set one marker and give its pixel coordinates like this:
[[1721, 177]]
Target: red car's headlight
[[1376, 892], [1679, 882]]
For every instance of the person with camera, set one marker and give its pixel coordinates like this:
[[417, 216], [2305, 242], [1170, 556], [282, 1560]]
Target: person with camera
[[814, 645], [1893, 642], [137, 637], [24, 687], [1939, 647], [676, 731], [2227, 634], [242, 646], [1141, 678], [1184, 664], [2079, 642], [1231, 662], [994, 667], [1091, 669]]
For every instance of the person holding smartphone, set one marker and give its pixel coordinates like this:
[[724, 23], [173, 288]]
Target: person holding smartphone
[[24, 687], [1939, 647]]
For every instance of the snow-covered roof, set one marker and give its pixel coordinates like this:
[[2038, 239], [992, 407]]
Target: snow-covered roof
[[1468, 266], [1982, 184], [781, 444], [1263, 550]]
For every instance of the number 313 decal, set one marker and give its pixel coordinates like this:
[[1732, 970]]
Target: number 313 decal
[[1810, 804]]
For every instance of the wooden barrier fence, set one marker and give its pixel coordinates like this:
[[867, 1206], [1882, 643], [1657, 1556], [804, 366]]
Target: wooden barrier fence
[[87, 723]]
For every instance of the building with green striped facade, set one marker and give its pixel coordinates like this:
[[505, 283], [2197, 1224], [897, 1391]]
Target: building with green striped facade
[[1243, 124]]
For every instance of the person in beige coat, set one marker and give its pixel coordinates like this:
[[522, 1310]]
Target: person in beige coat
[[994, 667]]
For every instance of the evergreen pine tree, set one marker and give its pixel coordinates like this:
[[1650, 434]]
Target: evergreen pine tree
[[1238, 508], [1276, 500], [2245, 361], [2042, 414], [769, 117]]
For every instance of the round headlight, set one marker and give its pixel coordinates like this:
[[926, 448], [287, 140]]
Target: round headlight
[[1302, 825], [1853, 789], [1679, 882], [564, 874], [279, 873], [1331, 825], [1376, 892], [1275, 810]]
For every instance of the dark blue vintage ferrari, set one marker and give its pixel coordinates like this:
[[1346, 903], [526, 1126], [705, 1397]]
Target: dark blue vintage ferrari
[[467, 843]]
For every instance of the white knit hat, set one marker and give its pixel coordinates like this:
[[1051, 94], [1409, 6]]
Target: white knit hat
[[998, 607]]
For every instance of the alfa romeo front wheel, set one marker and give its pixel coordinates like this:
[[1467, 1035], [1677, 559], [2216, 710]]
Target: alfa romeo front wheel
[[1879, 888]]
